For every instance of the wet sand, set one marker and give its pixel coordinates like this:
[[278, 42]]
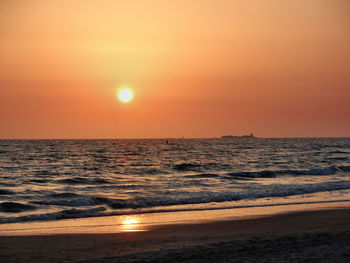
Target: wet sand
[[322, 236]]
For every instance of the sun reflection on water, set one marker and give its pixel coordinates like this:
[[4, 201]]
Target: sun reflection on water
[[131, 224]]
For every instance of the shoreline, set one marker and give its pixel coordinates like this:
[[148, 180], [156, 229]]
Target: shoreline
[[145, 221], [307, 234]]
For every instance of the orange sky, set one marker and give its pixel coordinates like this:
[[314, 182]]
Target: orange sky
[[198, 68]]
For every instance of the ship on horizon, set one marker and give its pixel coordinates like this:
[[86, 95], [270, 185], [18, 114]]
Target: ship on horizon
[[251, 136]]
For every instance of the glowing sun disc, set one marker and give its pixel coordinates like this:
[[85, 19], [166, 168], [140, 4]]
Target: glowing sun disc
[[125, 95]]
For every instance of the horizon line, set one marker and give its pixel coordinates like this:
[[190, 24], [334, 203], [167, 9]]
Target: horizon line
[[174, 138]]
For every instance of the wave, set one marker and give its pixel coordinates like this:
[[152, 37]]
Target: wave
[[82, 180], [80, 200], [204, 175], [200, 167], [274, 190], [345, 168], [272, 173], [6, 192], [108, 206], [45, 173], [64, 214], [186, 167], [340, 158], [39, 181], [67, 202], [13, 207], [275, 173], [338, 152], [63, 195]]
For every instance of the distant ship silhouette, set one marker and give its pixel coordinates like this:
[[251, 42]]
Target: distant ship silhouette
[[251, 136]]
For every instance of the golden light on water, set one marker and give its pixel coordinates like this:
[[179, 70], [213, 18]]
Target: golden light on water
[[131, 224], [125, 95], [130, 221]]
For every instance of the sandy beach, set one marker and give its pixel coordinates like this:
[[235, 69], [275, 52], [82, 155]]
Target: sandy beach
[[303, 236]]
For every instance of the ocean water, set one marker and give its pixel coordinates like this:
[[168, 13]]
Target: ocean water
[[57, 179]]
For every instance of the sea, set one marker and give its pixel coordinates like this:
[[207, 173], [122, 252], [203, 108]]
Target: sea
[[43, 180]]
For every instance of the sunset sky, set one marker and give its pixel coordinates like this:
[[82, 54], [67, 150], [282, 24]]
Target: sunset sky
[[197, 68]]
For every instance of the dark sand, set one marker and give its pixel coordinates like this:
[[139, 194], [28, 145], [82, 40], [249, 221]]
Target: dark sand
[[310, 236]]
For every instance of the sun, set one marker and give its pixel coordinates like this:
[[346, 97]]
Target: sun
[[125, 95]]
